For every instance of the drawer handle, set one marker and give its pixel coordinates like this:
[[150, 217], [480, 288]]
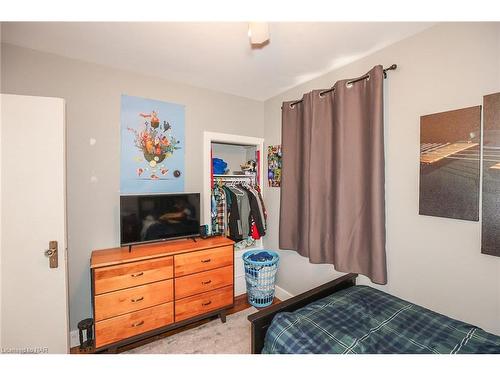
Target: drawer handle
[[206, 303], [137, 274], [138, 324], [137, 299], [206, 260], [206, 282]]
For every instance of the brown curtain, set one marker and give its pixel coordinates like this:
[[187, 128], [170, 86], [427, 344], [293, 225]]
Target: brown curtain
[[332, 191]]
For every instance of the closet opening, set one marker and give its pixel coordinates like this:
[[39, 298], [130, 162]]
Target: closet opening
[[233, 200]]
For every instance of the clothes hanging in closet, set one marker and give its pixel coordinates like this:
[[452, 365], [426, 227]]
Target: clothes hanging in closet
[[218, 210], [243, 208], [238, 211], [256, 213], [234, 222]]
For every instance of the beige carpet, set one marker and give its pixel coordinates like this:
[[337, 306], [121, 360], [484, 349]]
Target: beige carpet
[[232, 337]]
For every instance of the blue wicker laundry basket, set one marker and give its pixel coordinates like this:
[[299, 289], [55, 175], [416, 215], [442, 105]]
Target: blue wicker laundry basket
[[260, 275]]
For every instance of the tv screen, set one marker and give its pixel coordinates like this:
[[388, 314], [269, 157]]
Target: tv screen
[[149, 218]]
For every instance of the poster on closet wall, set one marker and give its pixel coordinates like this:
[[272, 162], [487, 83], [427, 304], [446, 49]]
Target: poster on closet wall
[[449, 164], [274, 165], [490, 228], [152, 146]]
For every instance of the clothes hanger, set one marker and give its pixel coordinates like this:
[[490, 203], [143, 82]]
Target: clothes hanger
[[238, 191]]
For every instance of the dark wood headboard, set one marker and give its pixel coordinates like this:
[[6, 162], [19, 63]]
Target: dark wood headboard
[[261, 320]]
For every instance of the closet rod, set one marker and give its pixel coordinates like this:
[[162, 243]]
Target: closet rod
[[234, 179], [392, 67], [234, 175]]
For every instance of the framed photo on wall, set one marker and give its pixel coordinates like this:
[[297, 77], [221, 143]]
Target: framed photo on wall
[[490, 228], [450, 164]]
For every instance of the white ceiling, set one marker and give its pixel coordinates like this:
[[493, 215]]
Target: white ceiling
[[214, 55]]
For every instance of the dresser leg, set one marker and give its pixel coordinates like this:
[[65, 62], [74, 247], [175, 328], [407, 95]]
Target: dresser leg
[[222, 316]]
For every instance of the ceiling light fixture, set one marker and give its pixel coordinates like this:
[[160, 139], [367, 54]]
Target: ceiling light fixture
[[258, 32]]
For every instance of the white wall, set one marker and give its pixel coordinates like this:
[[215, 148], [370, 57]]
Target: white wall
[[233, 155], [432, 261], [1, 302], [92, 94]]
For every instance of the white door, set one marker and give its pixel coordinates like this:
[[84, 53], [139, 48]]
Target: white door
[[34, 296]]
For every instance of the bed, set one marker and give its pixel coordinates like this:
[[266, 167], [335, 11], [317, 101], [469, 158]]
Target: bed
[[341, 317]]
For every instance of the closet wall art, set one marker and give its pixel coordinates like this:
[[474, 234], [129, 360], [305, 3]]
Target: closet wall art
[[449, 164], [490, 236], [152, 146], [274, 165]]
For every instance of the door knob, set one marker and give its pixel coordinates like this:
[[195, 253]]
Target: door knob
[[51, 253]]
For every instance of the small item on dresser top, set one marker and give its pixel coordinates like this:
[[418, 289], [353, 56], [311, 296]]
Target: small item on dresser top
[[206, 233]]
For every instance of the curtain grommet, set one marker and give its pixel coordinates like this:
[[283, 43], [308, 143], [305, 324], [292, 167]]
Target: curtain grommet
[[322, 94]]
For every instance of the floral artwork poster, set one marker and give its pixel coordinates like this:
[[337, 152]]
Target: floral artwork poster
[[152, 146]]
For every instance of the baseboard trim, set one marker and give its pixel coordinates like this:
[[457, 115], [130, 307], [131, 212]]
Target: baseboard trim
[[74, 340], [282, 294], [279, 292], [240, 286]]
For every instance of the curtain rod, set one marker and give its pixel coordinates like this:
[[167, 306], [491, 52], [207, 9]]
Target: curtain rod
[[392, 67]]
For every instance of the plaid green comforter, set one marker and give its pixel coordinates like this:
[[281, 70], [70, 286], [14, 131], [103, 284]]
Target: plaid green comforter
[[361, 319]]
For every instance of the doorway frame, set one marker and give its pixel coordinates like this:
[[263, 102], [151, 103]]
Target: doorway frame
[[232, 139]]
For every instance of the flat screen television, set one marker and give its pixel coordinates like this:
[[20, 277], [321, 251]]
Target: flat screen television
[[158, 217]]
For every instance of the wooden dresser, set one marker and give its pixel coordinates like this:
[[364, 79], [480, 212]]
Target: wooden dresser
[[159, 287]]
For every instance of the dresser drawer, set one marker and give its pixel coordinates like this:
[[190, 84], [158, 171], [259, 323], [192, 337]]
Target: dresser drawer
[[107, 279], [111, 304], [115, 329], [203, 260], [202, 303], [203, 282]]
